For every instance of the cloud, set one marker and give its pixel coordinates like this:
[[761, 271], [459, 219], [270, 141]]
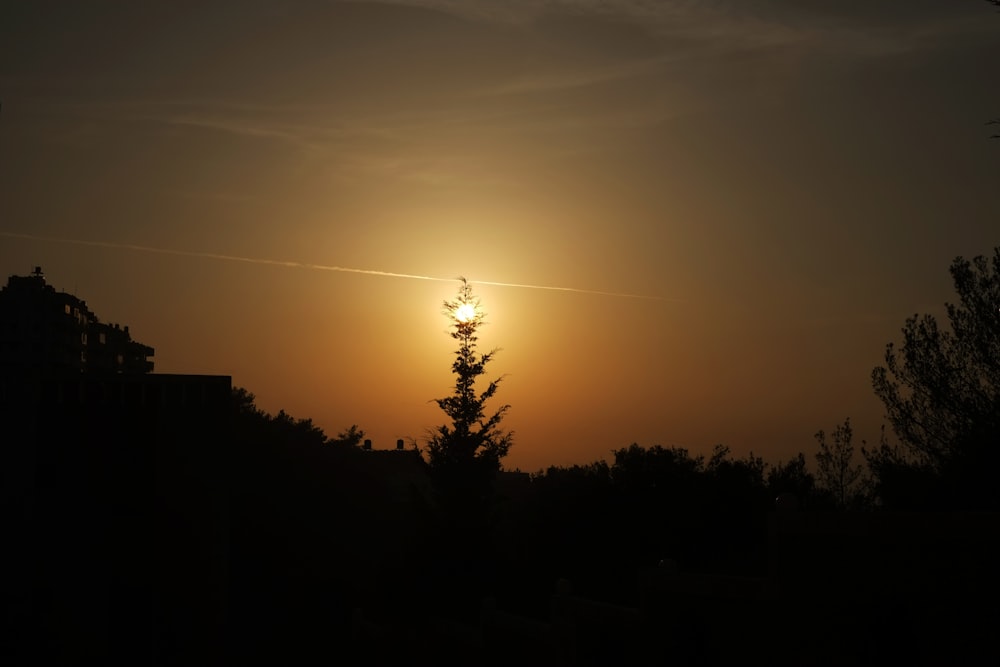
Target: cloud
[[565, 79], [313, 266], [704, 28], [247, 129], [551, 79]]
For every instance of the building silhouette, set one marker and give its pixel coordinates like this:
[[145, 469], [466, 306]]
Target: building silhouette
[[113, 492], [43, 330]]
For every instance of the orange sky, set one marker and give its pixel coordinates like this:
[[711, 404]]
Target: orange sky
[[792, 179]]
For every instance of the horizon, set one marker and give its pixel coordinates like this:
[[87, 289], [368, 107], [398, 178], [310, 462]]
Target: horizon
[[687, 225]]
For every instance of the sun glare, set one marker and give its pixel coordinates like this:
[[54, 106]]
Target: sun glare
[[465, 313]]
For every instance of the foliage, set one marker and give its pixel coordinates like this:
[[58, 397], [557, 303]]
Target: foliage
[[245, 403], [465, 455], [283, 427], [897, 481], [313, 523], [257, 423], [941, 389], [699, 512], [733, 473], [965, 481], [792, 477], [667, 469], [570, 486], [352, 437], [673, 475], [836, 471]]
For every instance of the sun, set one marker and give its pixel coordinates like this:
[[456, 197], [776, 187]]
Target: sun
[[465, 313]]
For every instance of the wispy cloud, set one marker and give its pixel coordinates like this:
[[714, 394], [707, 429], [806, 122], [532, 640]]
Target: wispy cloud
[[566, 79], [247, 129], [863, 29], [554, 92], [315, 267]]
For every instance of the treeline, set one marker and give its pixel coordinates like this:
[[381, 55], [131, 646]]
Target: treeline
[[320, 527], [315, 531], [599, 524]]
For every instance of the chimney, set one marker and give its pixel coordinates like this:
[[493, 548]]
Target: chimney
[[368, 445], [399, 445]]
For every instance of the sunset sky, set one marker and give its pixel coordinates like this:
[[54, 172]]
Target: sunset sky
[[786, 180]]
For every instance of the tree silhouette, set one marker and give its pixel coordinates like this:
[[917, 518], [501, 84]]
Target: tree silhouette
[[835, 464], [792, 477], [350, 437], [465, 455], [941, 389]]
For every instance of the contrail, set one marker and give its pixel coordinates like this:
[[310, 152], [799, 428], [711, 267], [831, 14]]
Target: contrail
[[315, 267]]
